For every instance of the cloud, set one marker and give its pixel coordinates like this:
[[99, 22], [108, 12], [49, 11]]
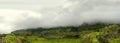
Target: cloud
[[69, 13]]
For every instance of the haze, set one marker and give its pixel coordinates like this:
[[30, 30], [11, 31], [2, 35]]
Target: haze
[[24, 14]]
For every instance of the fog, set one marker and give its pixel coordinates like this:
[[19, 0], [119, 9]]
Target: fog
[[47, 14]]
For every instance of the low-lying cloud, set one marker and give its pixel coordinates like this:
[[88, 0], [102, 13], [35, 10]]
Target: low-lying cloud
[[71, 13]]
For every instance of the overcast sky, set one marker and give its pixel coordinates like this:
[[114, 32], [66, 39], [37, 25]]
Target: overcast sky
[[11, 10], [24, 14], [28, 4]]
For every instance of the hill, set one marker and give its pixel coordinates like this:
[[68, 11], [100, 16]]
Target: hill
[[86, 33]]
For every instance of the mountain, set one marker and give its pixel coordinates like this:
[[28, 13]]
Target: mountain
[[86, 33]]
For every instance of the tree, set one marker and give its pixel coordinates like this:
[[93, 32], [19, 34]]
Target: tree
[[91, 37], [110, 31], [11, 38]]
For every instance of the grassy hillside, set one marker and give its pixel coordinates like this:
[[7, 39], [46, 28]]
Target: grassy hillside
[[94, 33]]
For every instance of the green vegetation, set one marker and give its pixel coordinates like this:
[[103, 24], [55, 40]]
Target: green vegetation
[[95, 33]]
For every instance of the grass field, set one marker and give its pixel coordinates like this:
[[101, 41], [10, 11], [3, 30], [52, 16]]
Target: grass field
[[57, 41], [34, 39]]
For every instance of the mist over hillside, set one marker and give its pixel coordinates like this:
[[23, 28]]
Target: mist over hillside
[[59, 21], [67, 13]]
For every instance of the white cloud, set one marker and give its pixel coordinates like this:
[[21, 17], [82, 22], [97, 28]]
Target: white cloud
[[64, 13]]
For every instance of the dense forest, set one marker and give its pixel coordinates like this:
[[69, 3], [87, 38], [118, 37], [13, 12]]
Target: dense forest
[[86, 33]]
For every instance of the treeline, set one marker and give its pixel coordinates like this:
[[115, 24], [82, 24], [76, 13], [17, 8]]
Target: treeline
[[94, 33], [60, 32]]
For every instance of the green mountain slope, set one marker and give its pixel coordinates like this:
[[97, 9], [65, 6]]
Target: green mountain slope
[[94, 33]]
